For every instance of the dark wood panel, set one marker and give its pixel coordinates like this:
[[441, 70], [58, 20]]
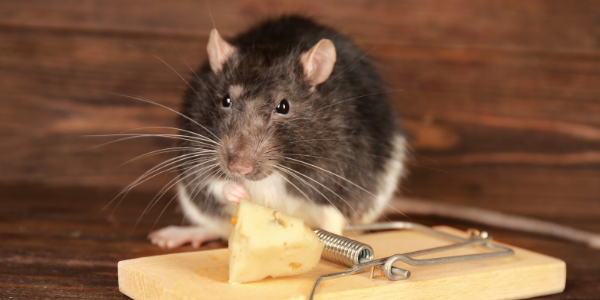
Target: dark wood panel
[[538, 24], [59, 87], [488, 126], [540, 191], [56, 244], [528, 89]]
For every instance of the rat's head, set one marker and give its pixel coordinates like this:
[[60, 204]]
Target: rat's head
[[260, 105]]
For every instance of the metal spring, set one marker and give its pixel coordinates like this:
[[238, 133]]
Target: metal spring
[[341, 250]]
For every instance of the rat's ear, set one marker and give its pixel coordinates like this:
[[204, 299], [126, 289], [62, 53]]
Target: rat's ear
[[318, 62], [219, 51]]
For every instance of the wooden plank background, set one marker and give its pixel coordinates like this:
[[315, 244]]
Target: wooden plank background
[[502, 98]]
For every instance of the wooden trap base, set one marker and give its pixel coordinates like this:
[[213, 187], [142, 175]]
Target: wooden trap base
[[203, 275]]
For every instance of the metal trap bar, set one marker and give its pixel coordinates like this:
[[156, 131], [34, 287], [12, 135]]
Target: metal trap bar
[[359, 256]]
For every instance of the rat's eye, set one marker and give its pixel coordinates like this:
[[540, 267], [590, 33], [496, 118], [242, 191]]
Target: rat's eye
[[283, 107], [226, 101]]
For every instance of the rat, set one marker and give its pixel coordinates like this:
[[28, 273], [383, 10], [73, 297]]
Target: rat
[[292, 115]]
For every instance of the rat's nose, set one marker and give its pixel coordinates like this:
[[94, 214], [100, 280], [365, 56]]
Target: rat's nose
[[241, 166]]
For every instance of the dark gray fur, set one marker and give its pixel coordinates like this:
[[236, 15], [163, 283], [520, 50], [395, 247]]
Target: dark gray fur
[[350, 114]]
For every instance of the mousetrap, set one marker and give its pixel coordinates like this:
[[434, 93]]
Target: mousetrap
[[415, 262]]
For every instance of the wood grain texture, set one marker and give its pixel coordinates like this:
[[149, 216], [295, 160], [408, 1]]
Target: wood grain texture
[[60, 87], [469, 133], [536, 24], [204, 275]]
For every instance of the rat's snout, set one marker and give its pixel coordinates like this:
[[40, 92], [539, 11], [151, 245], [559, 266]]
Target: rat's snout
[[246, 161], [241, 164], [240, 155]]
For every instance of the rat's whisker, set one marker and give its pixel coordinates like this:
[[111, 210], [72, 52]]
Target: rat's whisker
[[138, 181], [273, 148], [315, 189], [195, 134], [168, 150], [165, 107], [197, 77], [357, 97], [308, 177], [306, 184], [329, 172], [129, 136], [340, 161], [200, 186], [188, 65], [277, 189], [149, 206], [327, 158], [180, 160], [168, 135], [168, 203], [263, 138], [425, 167], [134, 184], [189, 170], [299, 190], [208, 91], [358, 197], [227, 178], [145, 177], [186, 82], [170, 184], [298, 118], [190, 160]]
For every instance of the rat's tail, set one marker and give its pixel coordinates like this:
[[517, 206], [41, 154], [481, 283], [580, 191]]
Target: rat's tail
[[493, 218]]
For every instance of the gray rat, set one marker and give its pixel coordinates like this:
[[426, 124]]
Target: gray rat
[[290, 115]]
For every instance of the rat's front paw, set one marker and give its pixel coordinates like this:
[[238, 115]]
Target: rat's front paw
[[234, 192], [176, 236]]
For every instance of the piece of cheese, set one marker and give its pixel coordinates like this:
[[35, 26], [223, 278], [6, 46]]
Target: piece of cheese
[[266, 243]]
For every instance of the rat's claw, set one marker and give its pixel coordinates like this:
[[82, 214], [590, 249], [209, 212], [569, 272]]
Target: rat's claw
[[234, 192]]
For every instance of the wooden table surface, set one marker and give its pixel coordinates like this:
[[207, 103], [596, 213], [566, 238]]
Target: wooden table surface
[[55, 243]]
